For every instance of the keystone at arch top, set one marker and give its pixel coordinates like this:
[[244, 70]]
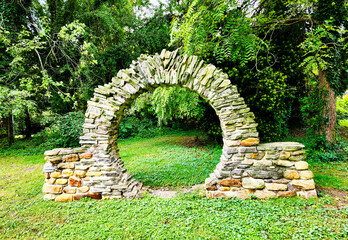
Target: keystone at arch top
[[246, 168]]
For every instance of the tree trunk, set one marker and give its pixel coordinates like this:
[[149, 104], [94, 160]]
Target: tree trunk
[[329, 111], [28, 129], [10, 135]]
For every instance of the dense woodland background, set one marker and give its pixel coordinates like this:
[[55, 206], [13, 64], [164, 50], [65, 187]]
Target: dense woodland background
[[288, 59]]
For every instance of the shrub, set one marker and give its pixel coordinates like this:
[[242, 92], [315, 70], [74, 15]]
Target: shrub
[[64, 131]]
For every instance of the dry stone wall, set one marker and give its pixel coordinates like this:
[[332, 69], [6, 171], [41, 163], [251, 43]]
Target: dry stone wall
[[246, 168]]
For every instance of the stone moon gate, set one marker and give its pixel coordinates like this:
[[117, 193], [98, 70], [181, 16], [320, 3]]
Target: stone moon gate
[[246, 168]]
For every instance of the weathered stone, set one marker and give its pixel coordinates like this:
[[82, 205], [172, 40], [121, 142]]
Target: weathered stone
[[287, 193], [224, 188], [250, 142], [80, 173], [72, 158], [75, 182], [54, 159], [52, 152], [47, 175], [94, 174], [56, 174], [301, 152], [50, 181], [276, 186], [258, 155], [229, 182], [297, 158], [51, 188], [284, 155], [86, 155], [83, 189], [69, 190], [247, 162], [291, 174], [306, 174], [67, 172], [94, 195], [283, 163], [49, 197], [61, 181], [243, 194], [307, 194], [263, 163], [66, 165], [64, 198], [230, 143], [264, 194], [303, 184], [301, 165], [252, 183]]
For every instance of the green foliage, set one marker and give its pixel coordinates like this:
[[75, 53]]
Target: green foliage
[[64, 131], [342, 110], [215, 28]]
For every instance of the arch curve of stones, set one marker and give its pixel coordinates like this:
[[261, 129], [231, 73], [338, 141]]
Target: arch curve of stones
[[246, 168]]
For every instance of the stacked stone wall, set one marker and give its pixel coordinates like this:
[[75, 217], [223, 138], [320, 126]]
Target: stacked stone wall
[[96, 170]]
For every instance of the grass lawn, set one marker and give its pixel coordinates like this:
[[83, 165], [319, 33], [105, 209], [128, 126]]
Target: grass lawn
[[159, 162]]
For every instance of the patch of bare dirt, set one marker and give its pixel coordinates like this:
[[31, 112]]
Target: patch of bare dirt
[[340, 196], [191, 142], [166, 192]]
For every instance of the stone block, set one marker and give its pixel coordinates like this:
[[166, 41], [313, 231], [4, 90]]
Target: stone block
[[72, 158], [297, 158], [61, 181], [50, 181], [224, 188], [49, 197], [80, 173], [64, 198], [301, 165], [287, 193], [67, 172], [264, 194], [52, 152], [86, 155], [94, 174], [300, 152], [54, 159], [276, 186], [284, 155], [69, 190], [51, 188], [306, 174], [252, 183], [303, 184], [66, 165], [291, 174], [94, 195], [250, 142], [258, 155], [83, 189], [229, 182], [283, 163], [247, 162], [56, 174], [307, 194], [263, 163], [75, 182]]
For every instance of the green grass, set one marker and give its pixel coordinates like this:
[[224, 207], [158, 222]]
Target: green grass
[[164, 161], [24, 215]]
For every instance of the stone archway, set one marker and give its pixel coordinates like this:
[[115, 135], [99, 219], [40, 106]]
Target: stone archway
[[246, 168]]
